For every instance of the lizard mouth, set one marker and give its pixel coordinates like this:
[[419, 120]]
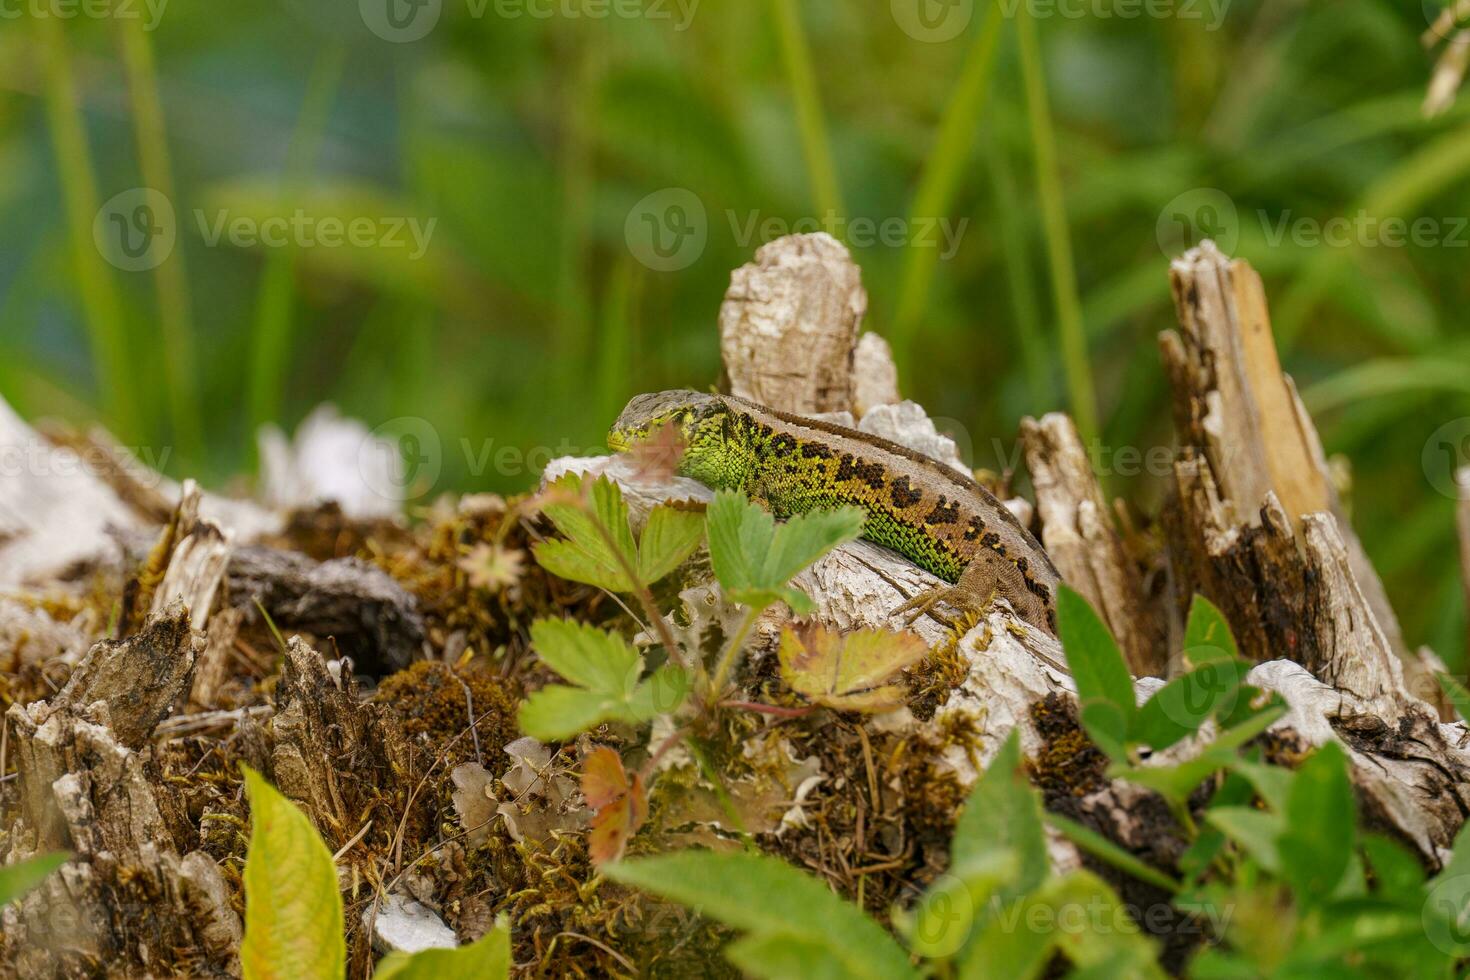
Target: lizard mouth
[[618, 441]]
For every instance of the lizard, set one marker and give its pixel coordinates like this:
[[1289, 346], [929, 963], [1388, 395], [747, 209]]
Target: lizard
[[934, 516]]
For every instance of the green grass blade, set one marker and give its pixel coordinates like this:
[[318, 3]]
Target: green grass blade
[[1075, 366], [169, 276], [1443, 371], [941, 176], [614, 361], [1020, 279], [821, 172], [1398, 191], [1105, 850], [99, 299], [271, 343]]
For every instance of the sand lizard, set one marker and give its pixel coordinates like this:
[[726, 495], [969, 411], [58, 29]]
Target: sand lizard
[[926, 511]]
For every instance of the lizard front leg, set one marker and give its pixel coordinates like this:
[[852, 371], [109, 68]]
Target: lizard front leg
[[988, 575], [972, 594]]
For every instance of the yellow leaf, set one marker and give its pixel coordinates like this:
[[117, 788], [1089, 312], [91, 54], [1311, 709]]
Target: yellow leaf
[[293, 910], [847, 671]]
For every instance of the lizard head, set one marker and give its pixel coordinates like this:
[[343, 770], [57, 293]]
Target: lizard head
[[702, 421]]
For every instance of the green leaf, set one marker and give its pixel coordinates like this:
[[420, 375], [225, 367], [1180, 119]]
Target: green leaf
[[1107, 726], [1180, 707], [670, 537], [1320, 825], [1252, 725], [1273, 783], [1097, 664], [1176, 783], [1254, 830], [557, 712], [1100, 847], [605, 669], [769, 898], [1397, 874], [293, 910], [585, 555], [17, 879], [586, 656], [487, 958], [1003, 812], [754, 559], [942, 921], [1077, 915], [1207, 636], [783, 956]]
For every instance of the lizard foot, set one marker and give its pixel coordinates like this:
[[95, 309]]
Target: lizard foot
[[959, 597]]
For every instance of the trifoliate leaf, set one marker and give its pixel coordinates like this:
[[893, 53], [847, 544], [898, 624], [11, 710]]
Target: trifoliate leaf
[[605, 670], [847, 671], [754, 559], [585, 553]]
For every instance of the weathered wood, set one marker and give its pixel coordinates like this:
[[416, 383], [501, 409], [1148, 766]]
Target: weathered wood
[[789, 325], [138, 680], [85, 770], [372, 618], [1078, 533], [1246, 439], [874, 375]]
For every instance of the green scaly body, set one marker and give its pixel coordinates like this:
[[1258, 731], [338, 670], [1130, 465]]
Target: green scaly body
[[937, 518]]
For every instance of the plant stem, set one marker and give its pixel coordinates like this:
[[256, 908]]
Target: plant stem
[[728, 658], [645, 771], [641, 591], [1080, 390], [768, 709], [820, 170], [169, 276], [99, 300]]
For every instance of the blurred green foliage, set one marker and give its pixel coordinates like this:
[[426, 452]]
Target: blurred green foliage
[[529, 131]]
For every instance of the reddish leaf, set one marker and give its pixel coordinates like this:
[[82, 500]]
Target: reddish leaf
[[657, 457], [620, 802], [604, 780]]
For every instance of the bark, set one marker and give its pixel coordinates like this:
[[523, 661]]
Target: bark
[[1079, 535], [369, 615], [85, 771], [789, 325]]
